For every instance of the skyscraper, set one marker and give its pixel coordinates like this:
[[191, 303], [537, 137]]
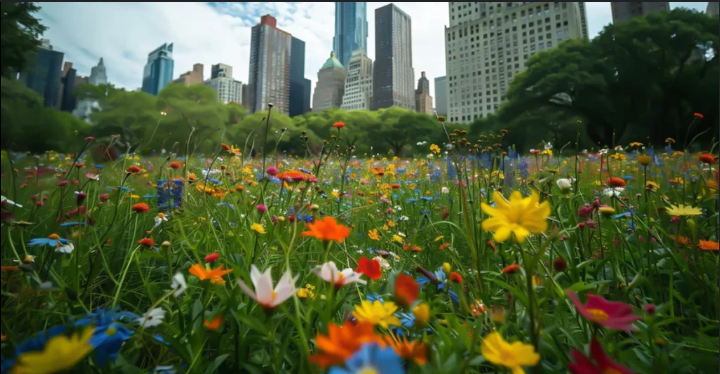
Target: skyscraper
[[330, 85], [69, 75], [358, 83], [221, 80], [423, 100], [351, 30], [583, 20], [393, 75], [487, 44], [158, 70], [622, 12], [194, 76], [712, 9], [269, 77], [441, 96], [97, 74], [44, 73], [299, 86]]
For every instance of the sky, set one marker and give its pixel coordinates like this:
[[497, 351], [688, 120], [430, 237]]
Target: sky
[[210, 33]]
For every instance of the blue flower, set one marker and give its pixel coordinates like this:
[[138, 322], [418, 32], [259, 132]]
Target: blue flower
[[373, 296], [426, 198], [213, 180], [371, 358], [67, 224], [274, 180], [227, 205], [407, 319], [107, 341], [306, 171], [442, 280], [46, 241], [412, 201], [37, 342], [150, 196], [97, 166]]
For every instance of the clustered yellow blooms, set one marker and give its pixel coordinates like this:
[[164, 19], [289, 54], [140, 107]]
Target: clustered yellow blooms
[[307, 291], [513, 356], [377, 313]]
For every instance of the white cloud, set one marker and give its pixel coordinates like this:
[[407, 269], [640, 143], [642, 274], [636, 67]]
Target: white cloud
[[124, 33]]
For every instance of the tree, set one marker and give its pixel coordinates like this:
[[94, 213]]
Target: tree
[[19, 33]]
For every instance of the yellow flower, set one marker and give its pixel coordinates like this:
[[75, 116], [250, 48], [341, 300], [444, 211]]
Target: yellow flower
[[446, 267], [374, 234], [60, 353], [422, 314], [258, 228], [606, 210], [636, 144], [397, 238], [513, 356], [521, 216], [652, 186], [434, 148], [377, 313], [391, 223], [683, 210], [644, 160], [439, 238], [547, 152], [618, 157]]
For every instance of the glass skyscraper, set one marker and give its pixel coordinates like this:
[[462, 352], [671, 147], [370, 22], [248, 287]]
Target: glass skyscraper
[[269, 76], [351, 30], [158, 70], [44, 74], [393, 75], [299, 86]]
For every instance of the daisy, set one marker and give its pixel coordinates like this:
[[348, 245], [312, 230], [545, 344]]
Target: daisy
[[152, 318]]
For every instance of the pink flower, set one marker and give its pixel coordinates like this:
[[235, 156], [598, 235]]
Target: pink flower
[[272, 171], [603, 363], [613, 315], [89, 138], [261, 208], [62, 183], [104, 197], [649, 308]]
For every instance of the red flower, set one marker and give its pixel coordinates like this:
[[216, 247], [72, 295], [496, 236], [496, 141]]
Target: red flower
[[614, 315], [406, 290], [212, 257], [559, 264], [706, 158], [445, 214], [615, 182], [456, 277], [339, 125], [175, 165], [511, 269], [148, 242], [133, 169], [292, 176], [698, 115], [395, 186], [140, 208], [371, 268], [583, 365]]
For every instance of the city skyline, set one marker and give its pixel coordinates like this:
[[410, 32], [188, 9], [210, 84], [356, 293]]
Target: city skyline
[[87, 31]]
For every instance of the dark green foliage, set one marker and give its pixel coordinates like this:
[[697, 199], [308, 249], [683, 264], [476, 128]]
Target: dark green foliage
[[19, 32]]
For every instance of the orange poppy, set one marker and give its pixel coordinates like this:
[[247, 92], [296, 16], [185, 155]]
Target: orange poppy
[[327, 229], [456, 277], [709, 245], [511, 269], [406, 290], [147, 242], [140, 208], [133, 169], [215, 323], [680, 239], [175, 165], [615, 182], [706, 158], [215, 275], [339, 125], [443, 246], [293, 176], [409, 350], [342, 341]]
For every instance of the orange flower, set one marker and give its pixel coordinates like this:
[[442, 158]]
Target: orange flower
[[456, 277], [511, 269], [409, 350], [709, 245], [148, 242], [615, 182], [327, 229], [680, 239], [175, 165], [215, 275], [140, 208], [339, 125], [395, 186], [706, 158], [133, 169], [406, 290], [443, 246], [9, 268], [225, 146], [215, 323], [293, 176], [342, 341]]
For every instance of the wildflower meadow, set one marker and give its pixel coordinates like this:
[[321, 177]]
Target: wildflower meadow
[[469, 258]]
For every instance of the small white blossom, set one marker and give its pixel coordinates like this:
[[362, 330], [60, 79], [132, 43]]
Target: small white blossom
[[152, 318]]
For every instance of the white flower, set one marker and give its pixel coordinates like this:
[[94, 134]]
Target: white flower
[[564, 184], [178, 284], [445, 190], [10, 202], [548, 145], [401, 234], [160, 218], [404, 218], [329, 273], [610, 192], [152, 318], [603, 151], [67, 248], [383, 262], [264, 293]]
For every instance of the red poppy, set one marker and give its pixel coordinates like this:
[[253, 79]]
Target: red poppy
[[293, 176], [614, 315], [603, 363], [559, 264], [511, 269], [339, 125], [395, 186], [148, 242], [445, 214], [175, 165], [406, 290], [140, 208], [456, 277], [698, 115], [371, 268], [212, 257], [706, 158], [615, 182], [133, 169]]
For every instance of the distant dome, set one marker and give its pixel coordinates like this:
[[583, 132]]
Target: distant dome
[[332, 62]]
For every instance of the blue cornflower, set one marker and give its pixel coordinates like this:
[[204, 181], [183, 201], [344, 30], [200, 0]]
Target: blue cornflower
[[97, 166], [374, 296], [371, 358], [425, 212], [67, 224], [37, 342], [150, 196], [52, 241], [306, 171], [213, 180], [107, 341], [407, 319], [122, 188], [426, 198], [412, 201], [442, 280], [274, 180]]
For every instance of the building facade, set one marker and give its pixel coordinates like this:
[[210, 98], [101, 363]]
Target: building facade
[[158, 70], [67, 101], [299, 85], [393, 75], [44, 73], [330, 85], [622, 12], [423, 100], [269, 76], [712, 9], [195, 76], [351, 30], [487, 44], [98, 75], [583, 20], [358, 83], [221, 80], [441, 96]]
